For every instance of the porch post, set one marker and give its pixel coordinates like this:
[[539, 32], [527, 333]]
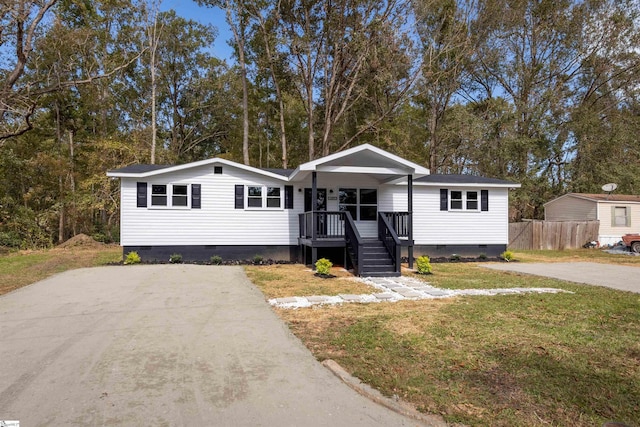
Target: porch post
[[314, 205], [410, 206]]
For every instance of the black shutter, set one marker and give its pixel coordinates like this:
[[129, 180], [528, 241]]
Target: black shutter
[[141, 194], [195, 196], [484, 200], [288, 196], [444, 199], [239, 196]]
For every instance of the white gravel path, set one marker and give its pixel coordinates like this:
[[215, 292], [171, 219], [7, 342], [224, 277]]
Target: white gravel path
[[393, 289]]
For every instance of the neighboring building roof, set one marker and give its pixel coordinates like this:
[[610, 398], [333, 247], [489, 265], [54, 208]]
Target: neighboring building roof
[[464, 180], [608, 197], [626, 198]]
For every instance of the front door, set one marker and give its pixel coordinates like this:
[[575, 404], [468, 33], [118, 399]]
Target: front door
[[322, 199]]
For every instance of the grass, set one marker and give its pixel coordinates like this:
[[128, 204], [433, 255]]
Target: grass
[[516, 360], [575, 255], [26, 267], [285, 280]]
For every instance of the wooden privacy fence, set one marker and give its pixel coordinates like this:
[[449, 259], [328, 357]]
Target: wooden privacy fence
[[553, 235]]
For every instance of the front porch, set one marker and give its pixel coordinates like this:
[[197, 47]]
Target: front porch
[[378, 255], [353, 203]]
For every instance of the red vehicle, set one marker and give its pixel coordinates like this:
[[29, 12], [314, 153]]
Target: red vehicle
[[632, 241]]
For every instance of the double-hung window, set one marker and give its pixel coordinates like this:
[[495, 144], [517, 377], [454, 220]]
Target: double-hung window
[[459, 200], [464, 200], [158, 195], [264, 197], [472, 200], [254, 197], [273, 197], [621, 216], [456, 200], [170, 195], [179, 195]]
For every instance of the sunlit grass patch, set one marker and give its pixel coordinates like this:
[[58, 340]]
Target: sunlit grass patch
[[286, 280]]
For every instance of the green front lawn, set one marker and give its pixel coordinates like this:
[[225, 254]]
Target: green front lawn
[[23, 268], [511, 360]]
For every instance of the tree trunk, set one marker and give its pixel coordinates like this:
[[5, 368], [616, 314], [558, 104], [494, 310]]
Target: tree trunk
[[154, 44], [433, 140], [239, 35], [72, 184]]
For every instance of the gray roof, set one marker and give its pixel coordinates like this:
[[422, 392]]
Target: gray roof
[[139, 168], [462, 179], [283, 172]]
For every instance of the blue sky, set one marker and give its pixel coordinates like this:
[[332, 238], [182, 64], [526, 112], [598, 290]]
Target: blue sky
[[190, 10]]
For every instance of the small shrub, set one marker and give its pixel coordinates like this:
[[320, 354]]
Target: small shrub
[[507, 256], [454, 257], [175, 259], [216, 260], [482, 256], [423, 264], [257, 259], [323, 266], [132, 258]]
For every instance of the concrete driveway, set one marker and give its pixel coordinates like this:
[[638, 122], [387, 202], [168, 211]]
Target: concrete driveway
[[621, 277], [165, 345]]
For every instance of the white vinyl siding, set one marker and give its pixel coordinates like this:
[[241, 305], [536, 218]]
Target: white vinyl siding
[[431, 226], [217, 222]]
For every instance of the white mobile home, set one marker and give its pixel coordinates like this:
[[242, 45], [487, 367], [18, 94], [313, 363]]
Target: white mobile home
[[364, 203]]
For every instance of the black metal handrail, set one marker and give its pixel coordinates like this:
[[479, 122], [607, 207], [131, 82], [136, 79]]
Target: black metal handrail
[[399, 221], [389, 237], [354, 242]]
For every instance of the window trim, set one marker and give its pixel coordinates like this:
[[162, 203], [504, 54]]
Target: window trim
[[264, 197], [169, 196], [464, 200], [627, 216], [358, 204]]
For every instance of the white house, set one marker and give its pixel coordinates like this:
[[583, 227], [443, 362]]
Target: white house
[[618, 214], [369, 206]]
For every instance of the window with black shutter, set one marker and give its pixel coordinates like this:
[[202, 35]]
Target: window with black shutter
[[141, 194], [444, 199], [288, 196], [239, 203], [484, 200], [195, 196]]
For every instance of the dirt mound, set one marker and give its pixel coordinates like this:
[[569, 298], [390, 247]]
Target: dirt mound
[[80, 240]]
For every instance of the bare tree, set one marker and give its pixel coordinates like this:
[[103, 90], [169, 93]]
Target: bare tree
[[19, 24]]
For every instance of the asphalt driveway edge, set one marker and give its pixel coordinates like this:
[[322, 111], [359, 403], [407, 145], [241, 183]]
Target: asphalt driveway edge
[[398, 406]]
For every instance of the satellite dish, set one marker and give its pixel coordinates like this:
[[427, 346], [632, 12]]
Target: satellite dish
[[609, 187]]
